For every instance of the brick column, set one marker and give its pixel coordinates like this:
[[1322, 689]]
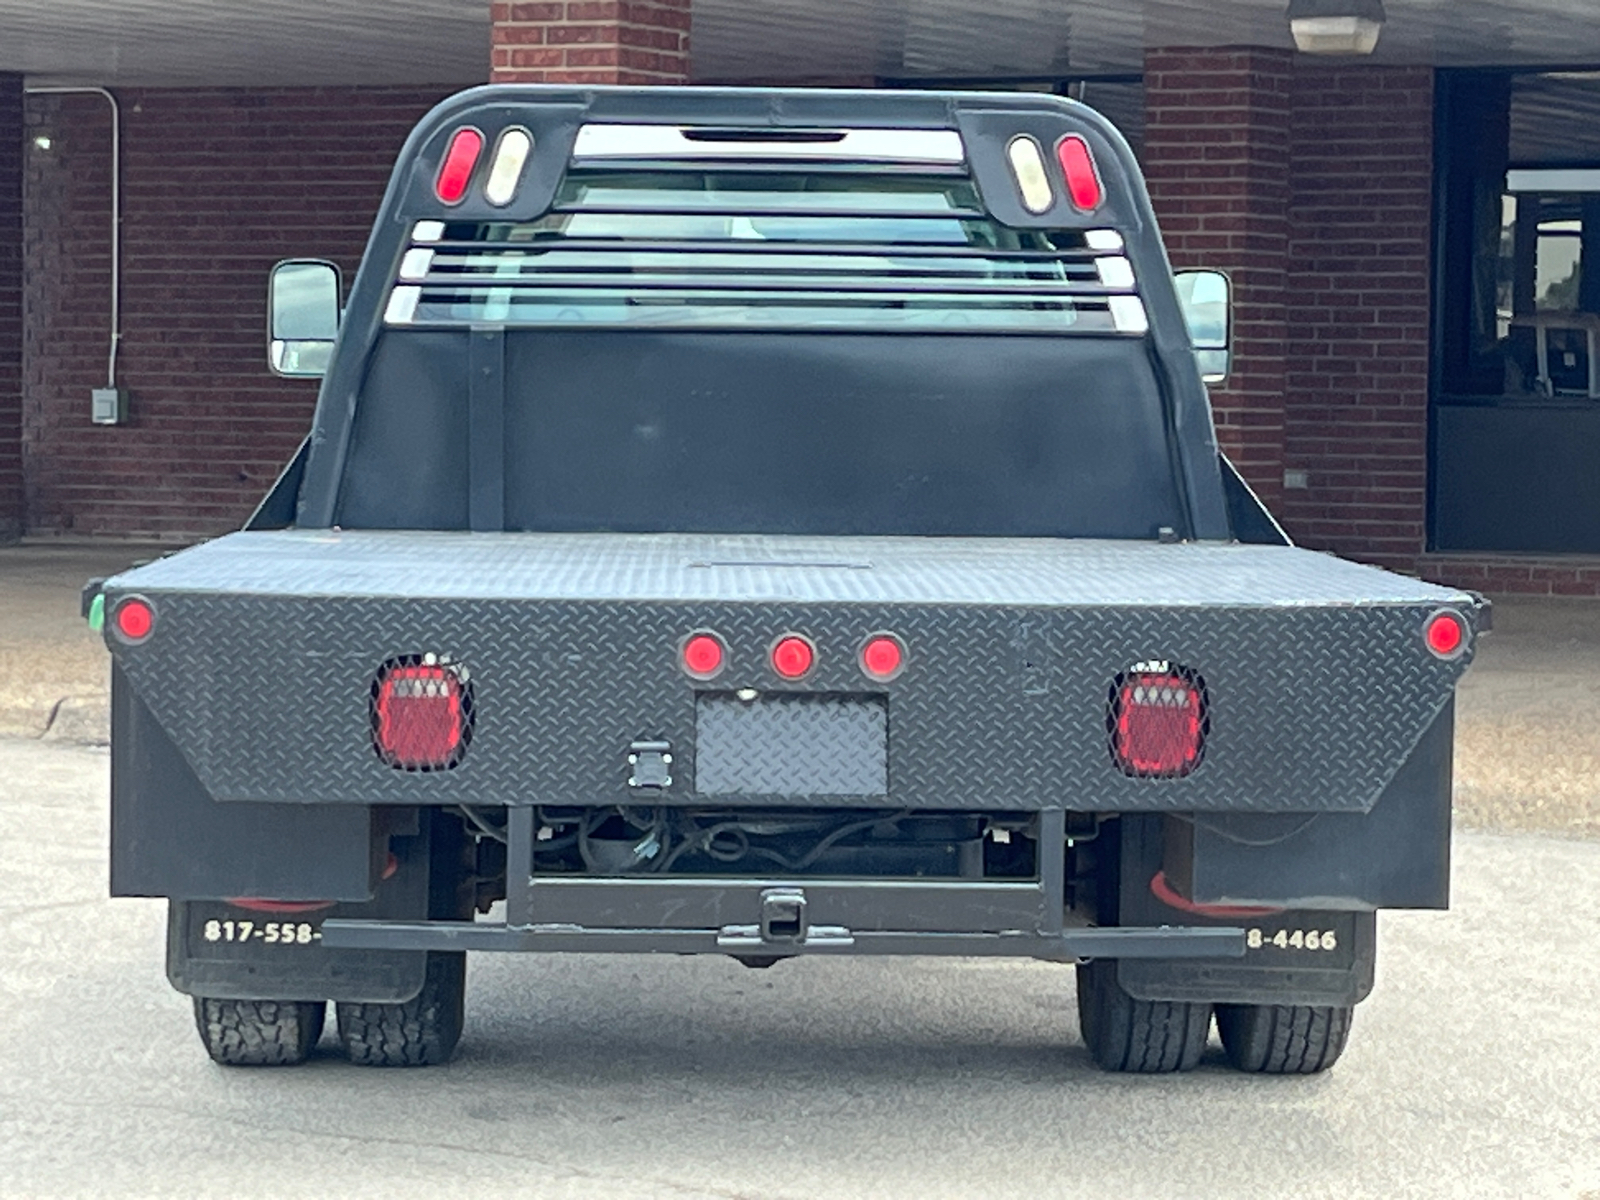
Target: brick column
[[590, 41], [1216, 156], [11, 151], [1361, 167]]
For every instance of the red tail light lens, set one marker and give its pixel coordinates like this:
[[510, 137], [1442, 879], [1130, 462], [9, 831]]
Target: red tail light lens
[[883, 657], [1083, 180], [793, 656], [1158, 722], [133, 619], [455, 173], [1446, 634], [421, 715], [703, 655]]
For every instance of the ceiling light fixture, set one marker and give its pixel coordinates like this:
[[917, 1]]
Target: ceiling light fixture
[[1336, 26]]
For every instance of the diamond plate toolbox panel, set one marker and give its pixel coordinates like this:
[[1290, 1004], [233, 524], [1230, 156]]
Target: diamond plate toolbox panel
[[791, 745], [264, 686]]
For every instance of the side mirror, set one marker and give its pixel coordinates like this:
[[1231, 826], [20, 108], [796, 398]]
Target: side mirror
[[1208, 311], [302, 316]]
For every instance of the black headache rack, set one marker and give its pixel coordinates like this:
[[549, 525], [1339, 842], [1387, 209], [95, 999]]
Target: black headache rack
[[858, 214]]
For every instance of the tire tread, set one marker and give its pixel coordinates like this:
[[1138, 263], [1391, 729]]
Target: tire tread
[[1281, 1039], [259, 1033], [419, 1032], [1137, 1036]]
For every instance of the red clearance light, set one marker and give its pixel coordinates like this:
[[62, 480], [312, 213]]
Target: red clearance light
[[133, 619], [793, 656], [1158, 722], [421, 715], [1446, 634], [1083, 180], [459, 160], [703, 655], [883, 656]]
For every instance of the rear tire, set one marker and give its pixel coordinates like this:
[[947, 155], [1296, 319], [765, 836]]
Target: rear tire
[[259, 1033], [1277, 1039], [422, 1031], [1137, 1036]]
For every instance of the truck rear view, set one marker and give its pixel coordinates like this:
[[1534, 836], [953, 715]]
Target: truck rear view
[[770, 524]]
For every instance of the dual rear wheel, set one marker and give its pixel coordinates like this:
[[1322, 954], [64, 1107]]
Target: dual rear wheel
[[421, 1031], [1152, 1036], [1122, 1033]]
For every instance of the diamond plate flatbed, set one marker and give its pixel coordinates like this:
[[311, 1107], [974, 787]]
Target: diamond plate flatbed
[[681, 568], [266, 644]]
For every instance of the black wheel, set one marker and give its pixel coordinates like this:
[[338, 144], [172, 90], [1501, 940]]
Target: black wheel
[[1141, 1036], [1278, 1039], [259, 1033], [419, 1032]]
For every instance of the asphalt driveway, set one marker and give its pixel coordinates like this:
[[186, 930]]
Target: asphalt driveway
[[1473, 1071]]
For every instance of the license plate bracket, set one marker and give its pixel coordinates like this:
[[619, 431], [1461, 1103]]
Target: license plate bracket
[[791, 745]]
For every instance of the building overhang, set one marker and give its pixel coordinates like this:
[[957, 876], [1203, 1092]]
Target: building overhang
[[402, 42]]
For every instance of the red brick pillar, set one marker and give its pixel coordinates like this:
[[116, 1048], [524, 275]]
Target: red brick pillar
[[1216, 155], [590, 41], [1361, 166], [11, 151]]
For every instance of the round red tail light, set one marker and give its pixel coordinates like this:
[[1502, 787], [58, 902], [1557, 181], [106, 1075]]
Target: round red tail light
[[1446, 634], [133, 619], [883, 657], [703, 655], [793, 656]]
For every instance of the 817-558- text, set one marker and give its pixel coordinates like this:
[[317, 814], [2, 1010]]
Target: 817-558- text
[[273, 933]]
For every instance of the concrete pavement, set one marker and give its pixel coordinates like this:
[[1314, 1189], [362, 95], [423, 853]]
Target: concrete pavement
[[1473, 1071], [53, 670]]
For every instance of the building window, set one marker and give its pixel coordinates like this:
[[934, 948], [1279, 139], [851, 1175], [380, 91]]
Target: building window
[[1516, 403]]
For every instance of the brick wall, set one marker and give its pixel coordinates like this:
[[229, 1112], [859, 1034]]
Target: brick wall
[[217, 185], [1523, 574], [1216, 158], [591, 41], [11, 152], [1361, 215], [1311, 185]]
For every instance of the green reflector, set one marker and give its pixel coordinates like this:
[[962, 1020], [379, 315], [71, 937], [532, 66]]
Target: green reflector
[[97, 612]]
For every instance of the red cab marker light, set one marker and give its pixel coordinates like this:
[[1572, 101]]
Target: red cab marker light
[[883, 657], [703, 655], [133, 619], [1446, 634], [455, 173], [793, 656], [1083, 178]]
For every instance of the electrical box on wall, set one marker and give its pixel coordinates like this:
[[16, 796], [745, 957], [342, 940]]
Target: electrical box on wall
[[108, 406]]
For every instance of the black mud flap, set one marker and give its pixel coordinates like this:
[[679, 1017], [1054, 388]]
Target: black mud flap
[[274, 952], [1292, 956]]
